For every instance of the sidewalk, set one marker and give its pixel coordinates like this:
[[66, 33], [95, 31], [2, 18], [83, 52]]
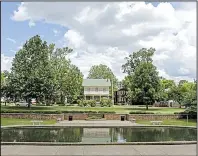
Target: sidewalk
[[95, 123], [100, 150]]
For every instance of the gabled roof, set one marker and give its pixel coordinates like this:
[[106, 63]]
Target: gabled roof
[[96, 82]]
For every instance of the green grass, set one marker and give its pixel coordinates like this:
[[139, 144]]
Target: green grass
[[117, 109], [179, 122], [11, 121]]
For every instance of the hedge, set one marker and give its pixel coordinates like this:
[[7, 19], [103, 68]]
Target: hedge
[[139, 112], [54, 111]]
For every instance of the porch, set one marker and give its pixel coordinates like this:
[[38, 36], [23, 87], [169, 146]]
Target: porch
[[95, 97]]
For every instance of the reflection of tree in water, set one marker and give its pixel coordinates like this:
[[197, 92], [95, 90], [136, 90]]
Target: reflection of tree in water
[[42, 135], [75, 134], [158, 134], [9, 135], [69, 135]]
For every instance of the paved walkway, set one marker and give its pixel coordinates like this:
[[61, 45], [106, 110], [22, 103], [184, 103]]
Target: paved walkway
[[95, 123], [100, 150]]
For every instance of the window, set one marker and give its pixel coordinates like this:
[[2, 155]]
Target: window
[[88, 89], [104, 90], [96, 89]]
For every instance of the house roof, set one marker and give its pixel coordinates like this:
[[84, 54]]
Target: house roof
[[96, 82]]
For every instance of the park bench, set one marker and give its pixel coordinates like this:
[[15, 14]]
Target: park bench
[[36, 121], [59, 119], [133, 120], [156, 122]]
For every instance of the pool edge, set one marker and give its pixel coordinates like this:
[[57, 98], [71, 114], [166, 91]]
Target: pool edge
[[96, 144]]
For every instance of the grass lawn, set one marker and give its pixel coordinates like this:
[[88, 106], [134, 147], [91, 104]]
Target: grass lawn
[[9, 121], [117, 109], [179, 122]]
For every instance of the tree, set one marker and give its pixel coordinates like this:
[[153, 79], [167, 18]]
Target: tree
[[67, 77], [103, 72], [165, 86], [143, 79], [183, 92], [31, 70]]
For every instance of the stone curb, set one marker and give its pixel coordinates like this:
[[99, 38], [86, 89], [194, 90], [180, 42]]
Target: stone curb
[[96, 144]]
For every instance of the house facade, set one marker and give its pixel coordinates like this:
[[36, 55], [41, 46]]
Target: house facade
[[95, 89], [120, 96]]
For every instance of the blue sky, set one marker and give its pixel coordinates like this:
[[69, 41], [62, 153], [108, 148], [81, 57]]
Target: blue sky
[[21, 31], [94, 42]]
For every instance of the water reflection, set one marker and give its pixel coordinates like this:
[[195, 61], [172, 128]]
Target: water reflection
[[98, 135]]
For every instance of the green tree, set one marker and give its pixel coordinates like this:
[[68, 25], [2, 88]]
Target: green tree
[[31, 70], [67, 77], [182, 92], [165, 86], [143, 79], [103, 72]]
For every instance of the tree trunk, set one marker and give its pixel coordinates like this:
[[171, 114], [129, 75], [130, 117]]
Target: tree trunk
[[29, 103], [146, 106], [5, 103]]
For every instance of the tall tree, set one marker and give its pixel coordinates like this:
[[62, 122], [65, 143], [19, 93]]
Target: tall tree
[[68, 78], [143, 77], [103, 72], [182, 92], [31, 70]]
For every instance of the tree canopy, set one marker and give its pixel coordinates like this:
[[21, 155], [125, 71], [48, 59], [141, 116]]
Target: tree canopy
[[40, 71], [103, 72], [143, 80]]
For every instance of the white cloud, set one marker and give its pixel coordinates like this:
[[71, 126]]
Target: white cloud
[[108, 32], [56, 32], [6, 62], [11, 40], [14, 51], [31, 24]]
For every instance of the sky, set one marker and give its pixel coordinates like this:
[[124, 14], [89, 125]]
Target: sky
[[106, 33]]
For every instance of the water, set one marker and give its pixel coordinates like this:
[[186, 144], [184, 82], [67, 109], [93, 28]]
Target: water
[[98, 135]]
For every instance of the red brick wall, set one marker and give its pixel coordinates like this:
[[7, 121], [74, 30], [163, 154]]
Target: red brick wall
[[114, 116], [83, 116], [151, 117], [32, 116], [77, 116]]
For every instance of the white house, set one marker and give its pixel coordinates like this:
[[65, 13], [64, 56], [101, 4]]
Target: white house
[[96, 88]]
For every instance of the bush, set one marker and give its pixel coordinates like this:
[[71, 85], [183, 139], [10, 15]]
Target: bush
[[92, 103], [105, 102], [139, 112], [86, 103], [191, 114]]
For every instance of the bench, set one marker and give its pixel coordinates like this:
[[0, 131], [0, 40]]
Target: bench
[[156, 122], [59, 119], [36, 121]]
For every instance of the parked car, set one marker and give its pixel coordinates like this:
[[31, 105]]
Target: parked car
[[33, 101], [22, 103]]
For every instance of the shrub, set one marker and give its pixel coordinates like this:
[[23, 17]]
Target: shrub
[[92, 103], [139, 112], [86, 103], [81, 104], [105, 102], [191, 114]]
